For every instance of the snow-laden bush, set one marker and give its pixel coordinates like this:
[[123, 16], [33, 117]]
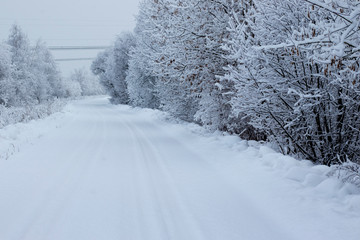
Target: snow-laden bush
[[12, 115], [112, 65], [6, 68], [348, 172], [140, 79], [30, 83], [285, 71], [28, 74], [81, 83], [296, 75]]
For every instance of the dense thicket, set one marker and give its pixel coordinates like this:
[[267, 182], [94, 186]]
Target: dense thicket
[[297, 75], [286, 71], [81, 83], [111, 66]]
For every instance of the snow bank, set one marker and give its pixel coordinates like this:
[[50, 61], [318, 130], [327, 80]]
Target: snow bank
[[19, 126], [14, 115]]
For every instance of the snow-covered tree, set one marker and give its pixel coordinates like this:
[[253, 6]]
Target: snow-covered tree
[[112, 65], [140, 79], [24, 79], [29, 74], [6, 83], [121, 50], [41, 68], [35, 77], [183, 50], [295, 75], [140, 83], [30, 82], [331, 40], [48, 76], [282, 70], [89, 85], [72, 89], [99, 67]]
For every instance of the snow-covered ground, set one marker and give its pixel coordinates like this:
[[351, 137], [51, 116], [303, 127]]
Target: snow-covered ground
[[98, 171]]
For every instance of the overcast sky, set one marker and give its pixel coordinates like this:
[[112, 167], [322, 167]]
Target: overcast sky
[[69, 23]]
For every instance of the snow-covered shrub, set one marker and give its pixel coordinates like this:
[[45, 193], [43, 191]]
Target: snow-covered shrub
[[72, 89], [181, 42], [348, 172], [82, 83], [140, 79], [296, 75], [23, 76], [12, 115], [48, 79], [282, 70], [6, 68], [29, 74], [112, 65], [30, 83]]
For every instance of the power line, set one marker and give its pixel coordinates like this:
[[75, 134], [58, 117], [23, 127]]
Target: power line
[[72, 59], [57, 48], [61, 20], [75, 39]]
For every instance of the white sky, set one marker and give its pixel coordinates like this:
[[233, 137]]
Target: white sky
[[69, 23]]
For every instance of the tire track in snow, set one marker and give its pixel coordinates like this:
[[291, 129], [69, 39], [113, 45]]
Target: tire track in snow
[[152, 186], [88, 156], [162, 215], [173, 215], [147, 212], [48, 211]]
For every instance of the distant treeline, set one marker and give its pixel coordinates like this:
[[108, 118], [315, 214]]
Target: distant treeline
[[30, 81]]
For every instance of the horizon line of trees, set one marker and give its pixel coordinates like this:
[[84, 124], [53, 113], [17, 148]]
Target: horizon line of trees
[[284, 71]]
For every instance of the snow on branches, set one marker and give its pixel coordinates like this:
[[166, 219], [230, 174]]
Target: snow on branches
[[297, 75], [285, 71]]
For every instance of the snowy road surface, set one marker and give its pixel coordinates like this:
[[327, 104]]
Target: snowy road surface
[[103, 172]]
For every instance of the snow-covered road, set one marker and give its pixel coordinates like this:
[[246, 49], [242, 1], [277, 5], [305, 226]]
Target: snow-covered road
[[106, 172]]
